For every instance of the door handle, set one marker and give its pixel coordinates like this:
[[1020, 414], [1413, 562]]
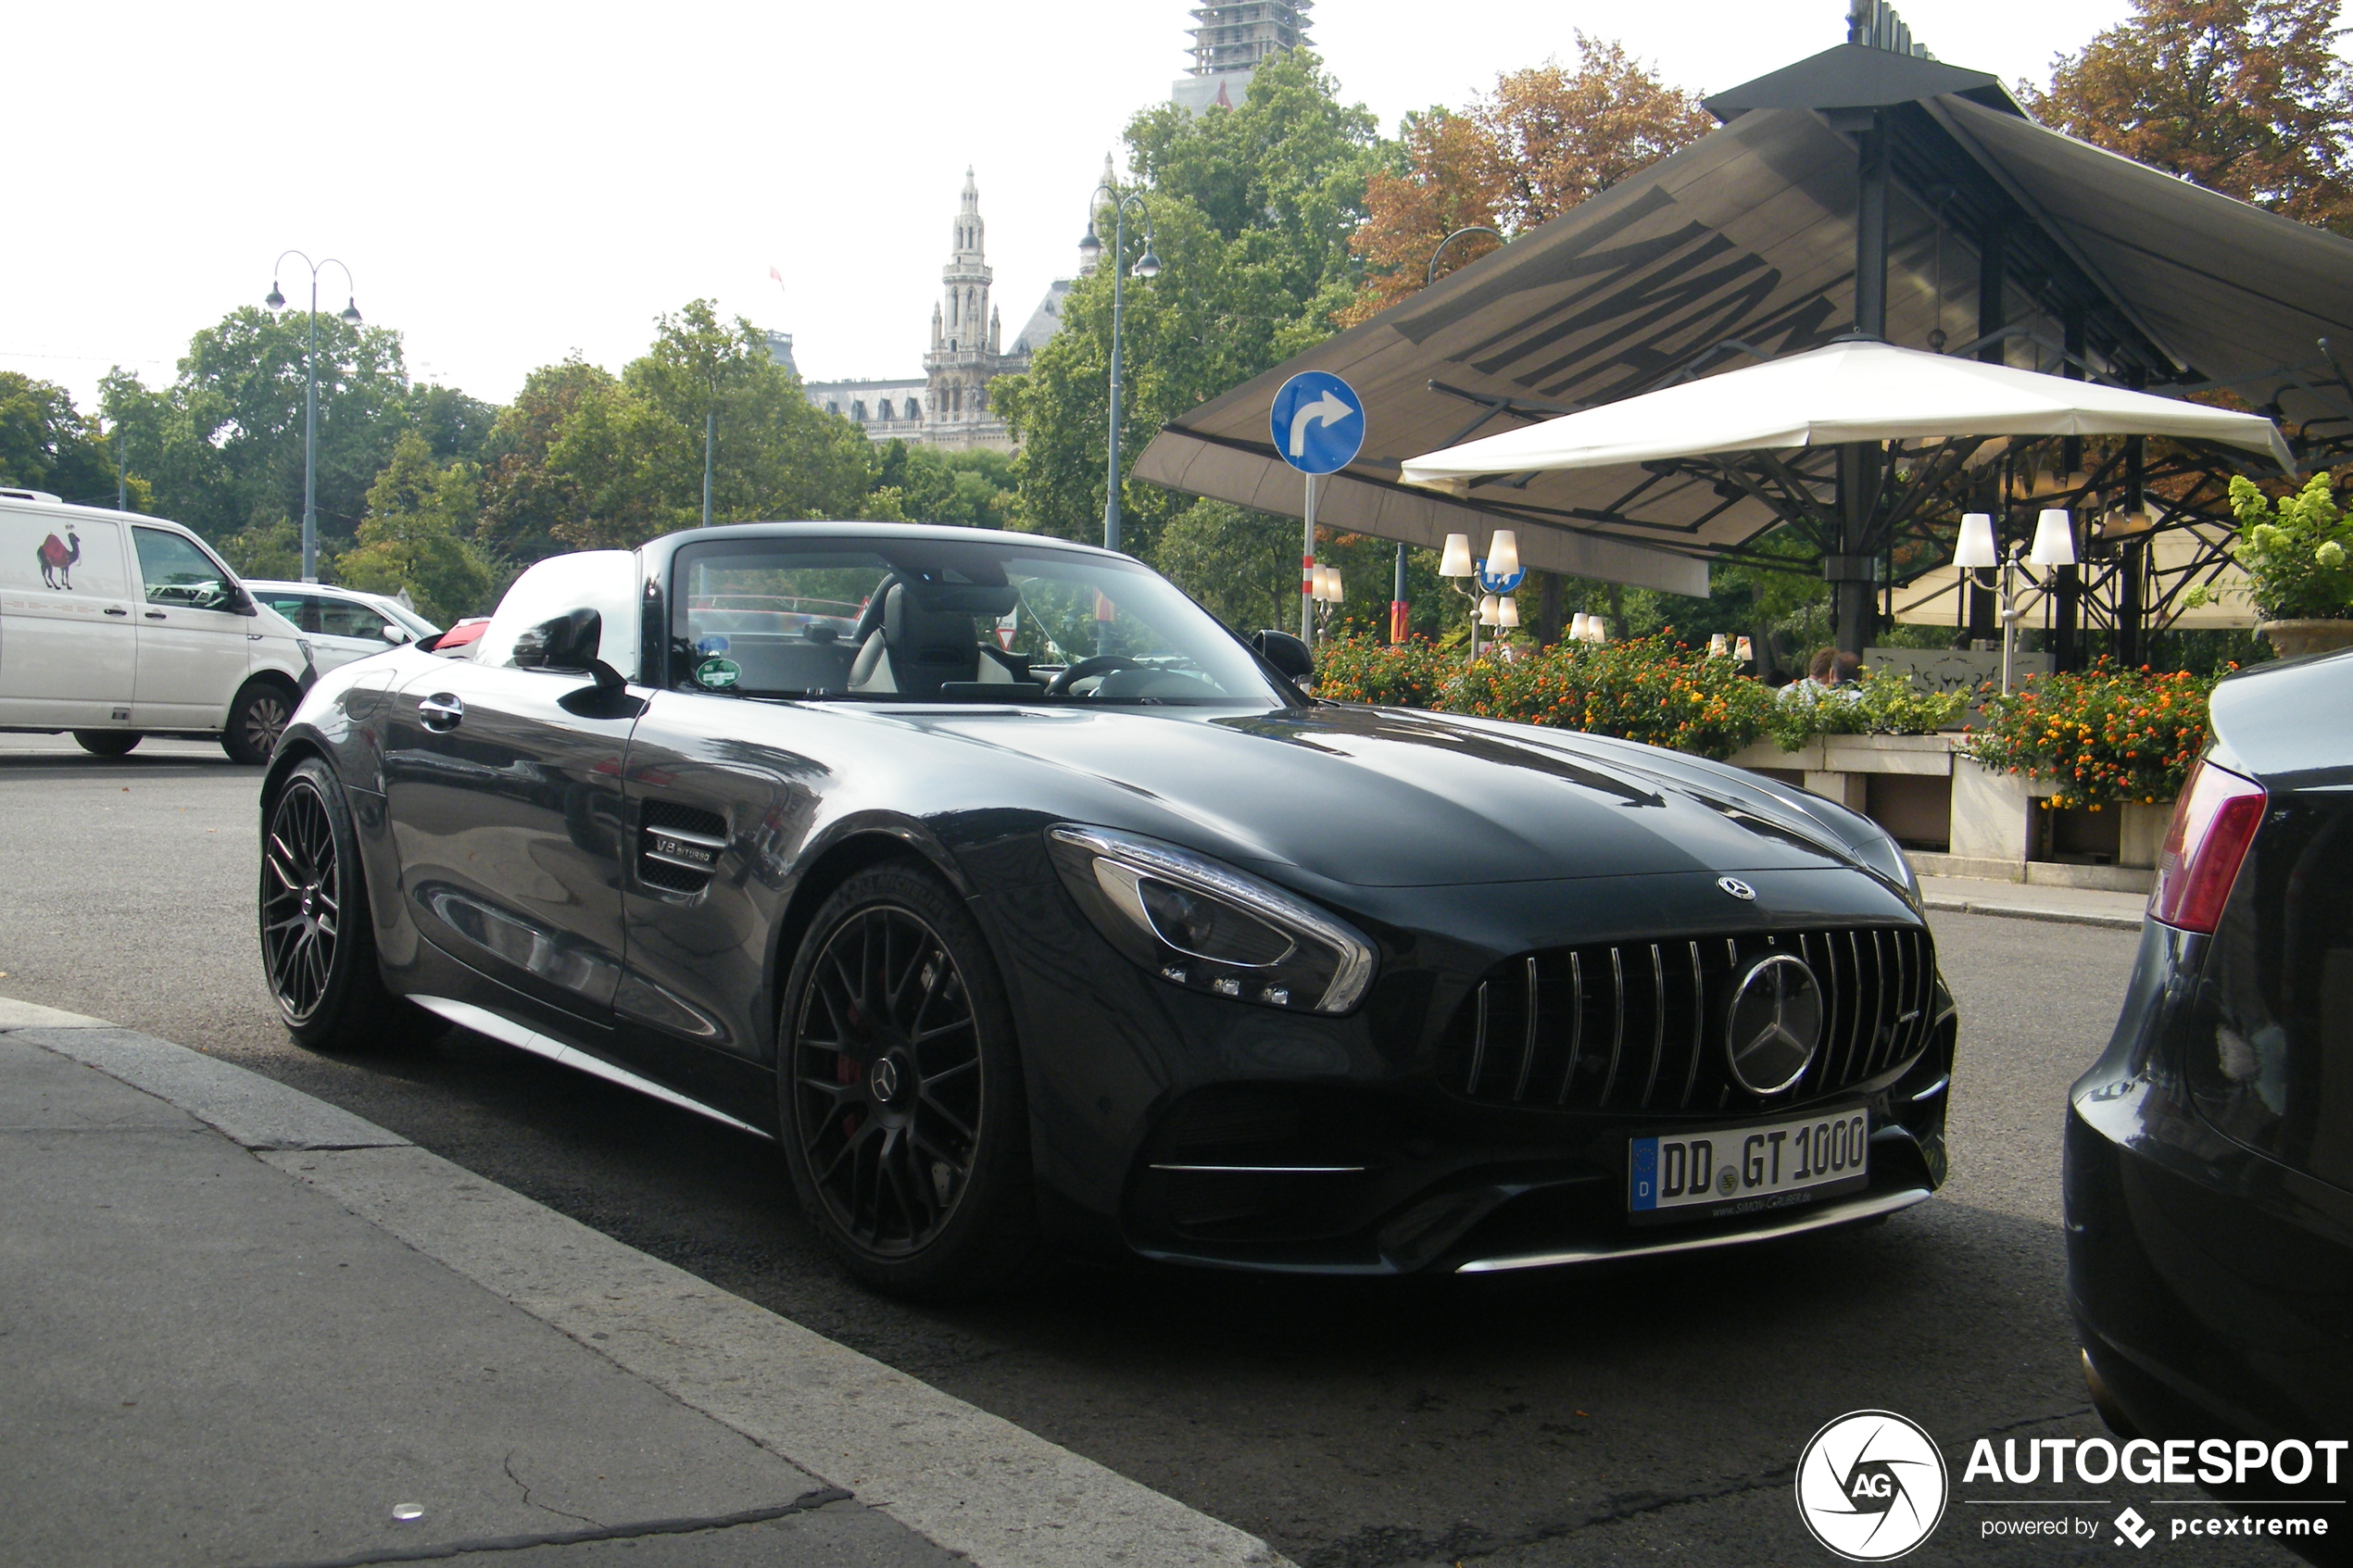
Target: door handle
[[155, 615], [116, 610], [441, 711]]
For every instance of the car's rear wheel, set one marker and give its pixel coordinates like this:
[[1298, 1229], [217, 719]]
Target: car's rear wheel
[[903, 1110], [318, 944], [107, 743], [257, 718]]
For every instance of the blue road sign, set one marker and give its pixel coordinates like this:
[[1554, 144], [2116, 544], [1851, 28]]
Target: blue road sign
[[1318, 422]]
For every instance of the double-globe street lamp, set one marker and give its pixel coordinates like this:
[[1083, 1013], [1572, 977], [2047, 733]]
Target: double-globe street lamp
[[1497, 575], [1147, 267], [1976, 551], [277, 301]]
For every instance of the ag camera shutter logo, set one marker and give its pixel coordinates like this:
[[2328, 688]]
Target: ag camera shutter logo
[[1872, 1486]]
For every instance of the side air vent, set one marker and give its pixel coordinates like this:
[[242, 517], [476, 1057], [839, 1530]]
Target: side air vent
[[679, 846]]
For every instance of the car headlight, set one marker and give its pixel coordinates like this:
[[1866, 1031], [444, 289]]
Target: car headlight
[[1208, 927]]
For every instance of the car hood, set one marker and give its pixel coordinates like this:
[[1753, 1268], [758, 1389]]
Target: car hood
[[1392, 797]]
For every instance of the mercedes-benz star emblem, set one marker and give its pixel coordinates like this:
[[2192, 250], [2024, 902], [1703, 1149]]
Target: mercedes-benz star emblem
[[1775, 1023], [1737, 888], [882, 1078]]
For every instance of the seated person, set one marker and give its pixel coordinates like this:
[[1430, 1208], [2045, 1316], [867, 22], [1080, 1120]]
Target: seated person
[[1832, 674]]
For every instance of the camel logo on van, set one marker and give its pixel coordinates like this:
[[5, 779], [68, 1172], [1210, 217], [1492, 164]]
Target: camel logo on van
[[58, 558]]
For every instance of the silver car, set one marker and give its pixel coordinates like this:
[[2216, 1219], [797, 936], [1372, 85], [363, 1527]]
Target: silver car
[[341, 625]]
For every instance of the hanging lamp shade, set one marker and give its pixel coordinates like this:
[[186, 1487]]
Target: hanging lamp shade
[[1457, 562], [1502, 554], [1506, 610], [1977, 550], [2053, 539]]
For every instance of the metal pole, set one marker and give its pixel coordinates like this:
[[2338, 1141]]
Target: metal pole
[[2010, 616], [121, 473], [709, 435], [1397, 607], [1118, 303], [1307, 569], [2132, 600], [310, 444], [1858, 465]]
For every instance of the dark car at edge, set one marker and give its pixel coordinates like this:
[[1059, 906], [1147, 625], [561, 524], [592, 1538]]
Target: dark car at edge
[[2209, 1150], [1026, 905]]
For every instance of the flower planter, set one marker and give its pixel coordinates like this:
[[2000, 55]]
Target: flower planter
[[1989, 821], [2291, 639]]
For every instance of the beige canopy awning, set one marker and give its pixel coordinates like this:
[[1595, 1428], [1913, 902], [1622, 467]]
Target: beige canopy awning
[[1846, 392]]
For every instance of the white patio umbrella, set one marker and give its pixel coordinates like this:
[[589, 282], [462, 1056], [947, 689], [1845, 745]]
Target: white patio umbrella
[[1846, 392]]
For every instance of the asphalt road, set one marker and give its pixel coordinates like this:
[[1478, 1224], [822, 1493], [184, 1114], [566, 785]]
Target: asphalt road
[[1506, 1420]]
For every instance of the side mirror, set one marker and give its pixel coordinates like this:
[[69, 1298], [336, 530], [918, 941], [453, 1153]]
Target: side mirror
[[1290, 657], [567, 645], [394, 633]]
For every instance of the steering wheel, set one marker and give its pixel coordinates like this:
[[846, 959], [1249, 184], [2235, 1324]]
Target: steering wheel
[[1102, 664]]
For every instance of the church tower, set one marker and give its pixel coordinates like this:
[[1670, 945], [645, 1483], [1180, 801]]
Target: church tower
[[965, 338]]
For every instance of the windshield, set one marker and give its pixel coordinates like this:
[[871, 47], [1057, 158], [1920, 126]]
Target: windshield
[[938, 620]]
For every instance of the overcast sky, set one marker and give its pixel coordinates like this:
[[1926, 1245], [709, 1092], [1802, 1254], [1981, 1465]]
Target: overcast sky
[[512, 182]]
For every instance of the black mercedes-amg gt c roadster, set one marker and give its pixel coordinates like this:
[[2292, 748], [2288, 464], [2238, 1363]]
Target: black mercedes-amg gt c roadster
[[1024, 904]]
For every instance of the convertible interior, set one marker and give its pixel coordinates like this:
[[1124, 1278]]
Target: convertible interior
[[935, 642]]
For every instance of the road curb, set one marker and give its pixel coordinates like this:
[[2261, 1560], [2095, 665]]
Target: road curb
[[969, 1481], [1961, 906]]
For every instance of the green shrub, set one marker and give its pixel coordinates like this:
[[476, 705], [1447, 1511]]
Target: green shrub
[[1888, 703]]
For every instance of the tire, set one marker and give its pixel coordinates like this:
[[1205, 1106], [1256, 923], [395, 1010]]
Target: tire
[[107, 743], [916, 1176], [257, 718], [318, 940]]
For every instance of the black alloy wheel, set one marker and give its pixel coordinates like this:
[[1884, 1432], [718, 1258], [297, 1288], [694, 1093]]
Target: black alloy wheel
[[902, 1108], [318, 944], [256, 720], [107, 743]]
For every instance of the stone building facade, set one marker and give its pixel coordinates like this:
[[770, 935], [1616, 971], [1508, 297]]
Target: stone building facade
[[947, 407]]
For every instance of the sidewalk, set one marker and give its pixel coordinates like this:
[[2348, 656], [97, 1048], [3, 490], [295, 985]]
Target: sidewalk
[[2020, 900], [241, 1326]]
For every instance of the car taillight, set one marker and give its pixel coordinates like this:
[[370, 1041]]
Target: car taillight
[[2213, 824]]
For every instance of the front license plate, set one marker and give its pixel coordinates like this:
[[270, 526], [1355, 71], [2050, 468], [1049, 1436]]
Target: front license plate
[[1738, 1170]]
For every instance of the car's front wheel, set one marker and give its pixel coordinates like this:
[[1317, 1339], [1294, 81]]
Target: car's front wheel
[[257, 718], [107, 743], [903, 1110], [318, 944]]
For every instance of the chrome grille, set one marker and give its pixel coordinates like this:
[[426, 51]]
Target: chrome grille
[[1640, 1026]]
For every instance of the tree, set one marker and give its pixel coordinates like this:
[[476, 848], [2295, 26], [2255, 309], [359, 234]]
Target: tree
[[1243, 565], [223, 445], [971, 489], [523, 502], [47, 444], [1543, 141], [1251, 212], [2246, 97], [417, 536], [584, 459], [456, 426]]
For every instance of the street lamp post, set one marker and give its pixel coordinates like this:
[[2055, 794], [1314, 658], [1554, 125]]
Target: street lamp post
[[277, 301], [1146, 268], [1496, 576], [1473, 228], [1977, 551]]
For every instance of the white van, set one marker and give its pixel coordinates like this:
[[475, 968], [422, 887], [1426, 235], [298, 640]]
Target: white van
[[116, 626]]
